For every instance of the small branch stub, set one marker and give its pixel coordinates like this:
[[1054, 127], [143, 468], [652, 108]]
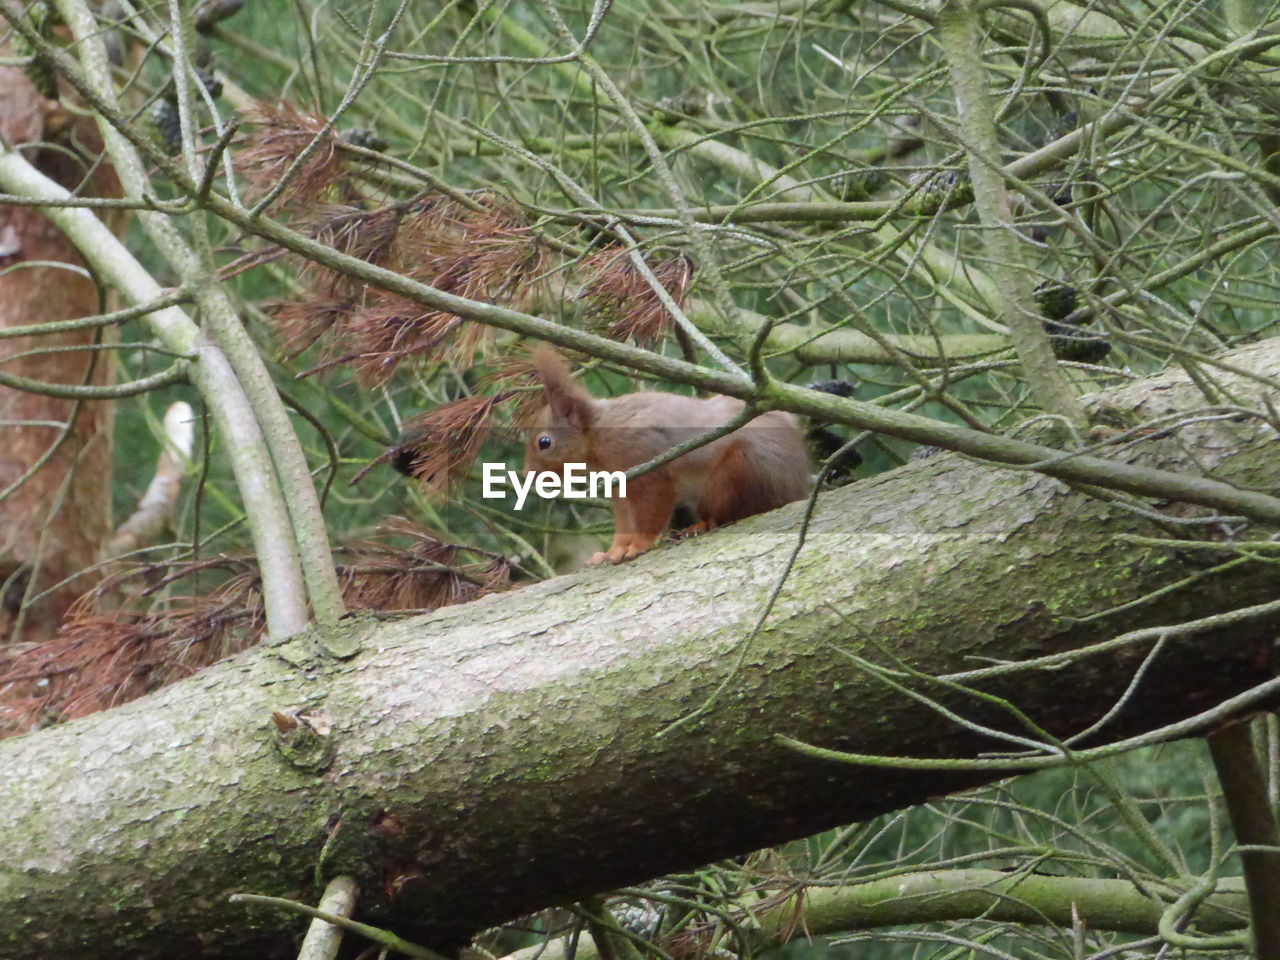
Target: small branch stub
[[304, 739]]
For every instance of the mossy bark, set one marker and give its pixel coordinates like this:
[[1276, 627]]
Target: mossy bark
[[519, 751]]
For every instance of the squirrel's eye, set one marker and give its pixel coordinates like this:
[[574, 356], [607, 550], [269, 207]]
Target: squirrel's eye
[[544, 442]]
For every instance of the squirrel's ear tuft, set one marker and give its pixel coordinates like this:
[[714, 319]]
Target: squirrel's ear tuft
[[550, 366], [566, 397]]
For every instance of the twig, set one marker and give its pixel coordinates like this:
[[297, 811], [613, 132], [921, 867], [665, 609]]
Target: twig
[[323, 939], [376, 934]]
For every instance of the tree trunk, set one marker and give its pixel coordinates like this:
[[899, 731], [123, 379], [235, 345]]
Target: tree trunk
[[523, 750], [53, 523]]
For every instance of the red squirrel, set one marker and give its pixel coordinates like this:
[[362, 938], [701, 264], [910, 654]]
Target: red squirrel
[[758, 467]]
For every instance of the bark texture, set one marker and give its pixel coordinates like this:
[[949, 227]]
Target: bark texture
[[518, 751], [53, 523]]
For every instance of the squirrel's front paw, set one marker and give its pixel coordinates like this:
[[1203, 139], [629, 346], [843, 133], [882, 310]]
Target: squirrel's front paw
[[693, 530], [615, 555]]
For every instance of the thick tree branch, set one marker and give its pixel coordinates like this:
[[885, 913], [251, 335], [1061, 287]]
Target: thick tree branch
[[155, 509], [1244, 788], [961, 39]]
